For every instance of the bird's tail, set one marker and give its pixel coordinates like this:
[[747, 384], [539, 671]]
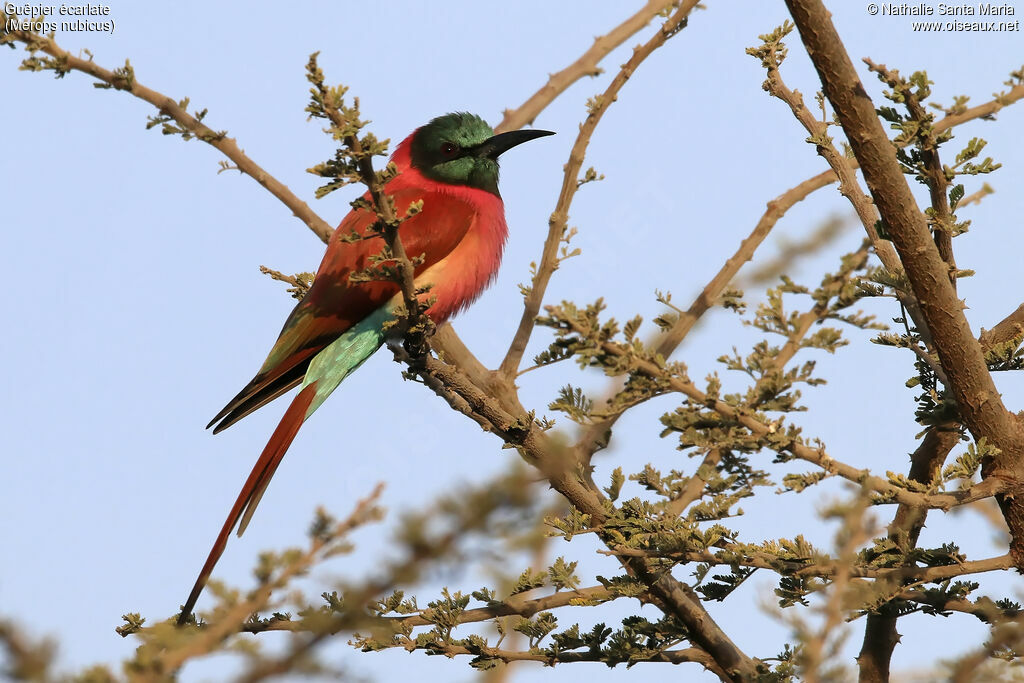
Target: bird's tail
[[330, 367], [255, 485]]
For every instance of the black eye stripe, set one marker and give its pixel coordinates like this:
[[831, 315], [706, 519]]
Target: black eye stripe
[[450, 150]]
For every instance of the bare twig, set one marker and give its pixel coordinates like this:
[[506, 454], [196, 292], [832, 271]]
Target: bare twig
[[1010, 327], [558, 222], [166, 106], [300, 282], [586, 65]]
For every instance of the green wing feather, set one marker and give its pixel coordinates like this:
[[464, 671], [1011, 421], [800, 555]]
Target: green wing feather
[[336, 362]]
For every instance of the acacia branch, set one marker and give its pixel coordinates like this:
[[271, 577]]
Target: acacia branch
[[586, 65], [817, 456], [562, 470], [300, 282], [1009, 328], [235, 616], [516, 605], [687, 655], [774, 211], [694, 488], [779, 206], [558, 223], [978, 401], [165, 105], [670, 340], [736, 555], [983, 608], [382, 204], [787, 200], [849, 187], [880, 635], [934, 174]]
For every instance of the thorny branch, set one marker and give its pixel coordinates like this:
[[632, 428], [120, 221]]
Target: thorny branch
[[816, 456], [586, 65], [843, 169], [558, 223], [937, 181], [124, 79], [230, 622], [978, 401], [515, 605], [822, 568], [778, 207]]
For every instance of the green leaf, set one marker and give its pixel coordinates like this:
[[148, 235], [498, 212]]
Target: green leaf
[[616, 486]]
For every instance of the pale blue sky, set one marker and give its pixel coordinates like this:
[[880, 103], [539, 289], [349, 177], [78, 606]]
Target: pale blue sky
[[135, 308]]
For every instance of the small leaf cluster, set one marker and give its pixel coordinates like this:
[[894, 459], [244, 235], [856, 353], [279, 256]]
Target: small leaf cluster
[[169, 126], [344, 126], [772, 51], [917, 130], [1008, 355]]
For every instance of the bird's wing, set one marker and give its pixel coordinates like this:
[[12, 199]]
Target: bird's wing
[[336, 302]]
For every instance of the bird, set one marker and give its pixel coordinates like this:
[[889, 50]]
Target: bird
[[458, 235]]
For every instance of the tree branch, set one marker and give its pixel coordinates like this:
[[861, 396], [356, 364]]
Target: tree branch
[[880, 636], [978, 400], [982, 608], [849, 187], [935, 174], [558, 223], [787, 200], [232, 619], [125, 80], [817, 456], [514, 605], [687, 655], [1009, 328], [824, 568], [586, 65]]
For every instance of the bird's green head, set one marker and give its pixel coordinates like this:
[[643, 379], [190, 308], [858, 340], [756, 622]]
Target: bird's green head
[[462, 149]]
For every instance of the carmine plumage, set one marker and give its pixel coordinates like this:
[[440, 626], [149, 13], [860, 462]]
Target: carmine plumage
[[451, 165]]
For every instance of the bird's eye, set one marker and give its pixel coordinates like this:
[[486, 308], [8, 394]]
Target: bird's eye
[[449, 150]]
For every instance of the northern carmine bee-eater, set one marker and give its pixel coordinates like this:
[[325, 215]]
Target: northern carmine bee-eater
[[451, 164]]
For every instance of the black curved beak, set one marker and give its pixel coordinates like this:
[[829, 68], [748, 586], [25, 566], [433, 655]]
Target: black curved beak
[[495, 146]]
